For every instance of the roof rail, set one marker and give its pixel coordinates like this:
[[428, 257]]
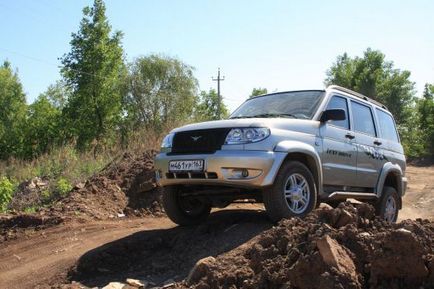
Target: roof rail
[[359, 95]]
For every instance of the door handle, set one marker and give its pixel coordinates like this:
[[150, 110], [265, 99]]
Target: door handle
[[377, 142], [349, 135]]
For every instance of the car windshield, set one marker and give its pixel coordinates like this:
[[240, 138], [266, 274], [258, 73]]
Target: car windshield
[[296, 104]]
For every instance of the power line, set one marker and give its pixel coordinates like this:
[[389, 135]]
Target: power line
[[48, 63], [218, 79]]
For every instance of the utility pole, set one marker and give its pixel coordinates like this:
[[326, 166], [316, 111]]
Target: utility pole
[[218, 79]]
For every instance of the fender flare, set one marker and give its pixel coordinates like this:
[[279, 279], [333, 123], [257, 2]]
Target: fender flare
[[291, 146], [385, 171]]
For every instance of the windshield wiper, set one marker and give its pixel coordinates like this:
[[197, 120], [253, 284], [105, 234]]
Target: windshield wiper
[[243, 116], [266, 115], [275, 115]]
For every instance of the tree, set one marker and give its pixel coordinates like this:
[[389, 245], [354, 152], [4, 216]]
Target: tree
[[425, 108], [207, 108], [12, 113], [377, 78], [42, 129], [161, 92], [94, 70], [57, 94], [258, 91]]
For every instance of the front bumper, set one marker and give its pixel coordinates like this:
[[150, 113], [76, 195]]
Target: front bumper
[[262, 166]]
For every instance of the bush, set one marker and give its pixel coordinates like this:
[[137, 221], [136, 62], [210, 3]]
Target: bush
[[63, 186], [6, 191]]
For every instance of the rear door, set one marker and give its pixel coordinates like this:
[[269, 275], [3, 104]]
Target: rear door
[[370, 148], [339, 150], [393, 151]]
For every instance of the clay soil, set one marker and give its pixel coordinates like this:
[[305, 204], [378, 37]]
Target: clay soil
[[113, 228]]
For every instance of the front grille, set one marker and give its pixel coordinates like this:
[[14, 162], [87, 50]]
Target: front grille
[[199, 141]]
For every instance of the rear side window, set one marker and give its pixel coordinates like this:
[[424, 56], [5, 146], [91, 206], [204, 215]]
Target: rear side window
[[387, 126], [338, 102], [362, 117]]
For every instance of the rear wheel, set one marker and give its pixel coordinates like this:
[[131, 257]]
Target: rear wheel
[[184, 210], [388, 205], [293, 193]]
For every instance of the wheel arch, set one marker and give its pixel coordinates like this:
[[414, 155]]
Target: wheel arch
[[391, 176], [304, 153]]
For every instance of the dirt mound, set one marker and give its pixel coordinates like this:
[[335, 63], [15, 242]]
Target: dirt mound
[[123, 188], [29, 194], [346, 247]]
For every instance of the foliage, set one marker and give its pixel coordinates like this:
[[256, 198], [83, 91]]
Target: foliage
[[6, 191], [258, 91], [42, 130], [373, 76], [94, 70], [12, 113], [377, 78], [63, 186], [161, 91], [207, 108], [425, 109]]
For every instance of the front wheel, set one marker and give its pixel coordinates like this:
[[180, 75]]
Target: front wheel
[[184, 210], [388, 205], [293, 193]]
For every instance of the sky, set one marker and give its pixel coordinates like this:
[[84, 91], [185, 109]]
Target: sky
[[279, 45]]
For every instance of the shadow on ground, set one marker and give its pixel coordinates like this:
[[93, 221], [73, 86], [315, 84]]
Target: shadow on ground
[[160, 255]]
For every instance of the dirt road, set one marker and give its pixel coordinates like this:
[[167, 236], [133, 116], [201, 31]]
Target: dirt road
[[45, 256], [419, 200], [151, 248]]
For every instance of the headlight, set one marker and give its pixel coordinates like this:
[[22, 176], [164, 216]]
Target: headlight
[[246, 135], [166, 146]]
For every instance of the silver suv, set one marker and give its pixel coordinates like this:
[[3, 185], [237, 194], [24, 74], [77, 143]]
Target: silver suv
[[289, 150]]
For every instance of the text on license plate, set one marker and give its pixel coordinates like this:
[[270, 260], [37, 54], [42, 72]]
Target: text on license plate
[[185, 166]]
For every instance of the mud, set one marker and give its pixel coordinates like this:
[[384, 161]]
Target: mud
[[365, 253]]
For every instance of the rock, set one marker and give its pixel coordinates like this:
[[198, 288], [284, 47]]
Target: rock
[[79, 186], [364, 235], [404, 231], [325, 206], [168, 283], [335, 255], [114, 285], [136, 283], [345, 218], [199, 270], [400, 255]]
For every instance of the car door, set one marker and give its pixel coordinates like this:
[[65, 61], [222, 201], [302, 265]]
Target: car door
[[370, 152], [393, 151], [339, 159]]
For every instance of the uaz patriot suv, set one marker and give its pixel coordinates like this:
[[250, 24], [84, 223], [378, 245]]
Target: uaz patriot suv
[[289, 150]]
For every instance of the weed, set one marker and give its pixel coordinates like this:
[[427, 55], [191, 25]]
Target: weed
[[7, 189]]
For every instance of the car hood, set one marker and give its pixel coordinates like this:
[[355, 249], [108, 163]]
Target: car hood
[[279, 123]]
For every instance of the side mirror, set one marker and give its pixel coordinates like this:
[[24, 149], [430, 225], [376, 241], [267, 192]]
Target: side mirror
[[333, 114]]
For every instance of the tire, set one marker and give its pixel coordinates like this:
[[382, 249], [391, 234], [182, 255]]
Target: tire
[[291, 176], [183, 211], [387, 207]]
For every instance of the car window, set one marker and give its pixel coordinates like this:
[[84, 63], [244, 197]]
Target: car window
[[338, 102], [387, 126], [362, 117]]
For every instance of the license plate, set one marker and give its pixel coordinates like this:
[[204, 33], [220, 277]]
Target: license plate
[[186, 166]]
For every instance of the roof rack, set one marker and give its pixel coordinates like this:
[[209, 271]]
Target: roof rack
[[349, 91]]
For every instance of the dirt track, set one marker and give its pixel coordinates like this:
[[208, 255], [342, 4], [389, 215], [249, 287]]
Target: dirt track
[[150, 248]]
